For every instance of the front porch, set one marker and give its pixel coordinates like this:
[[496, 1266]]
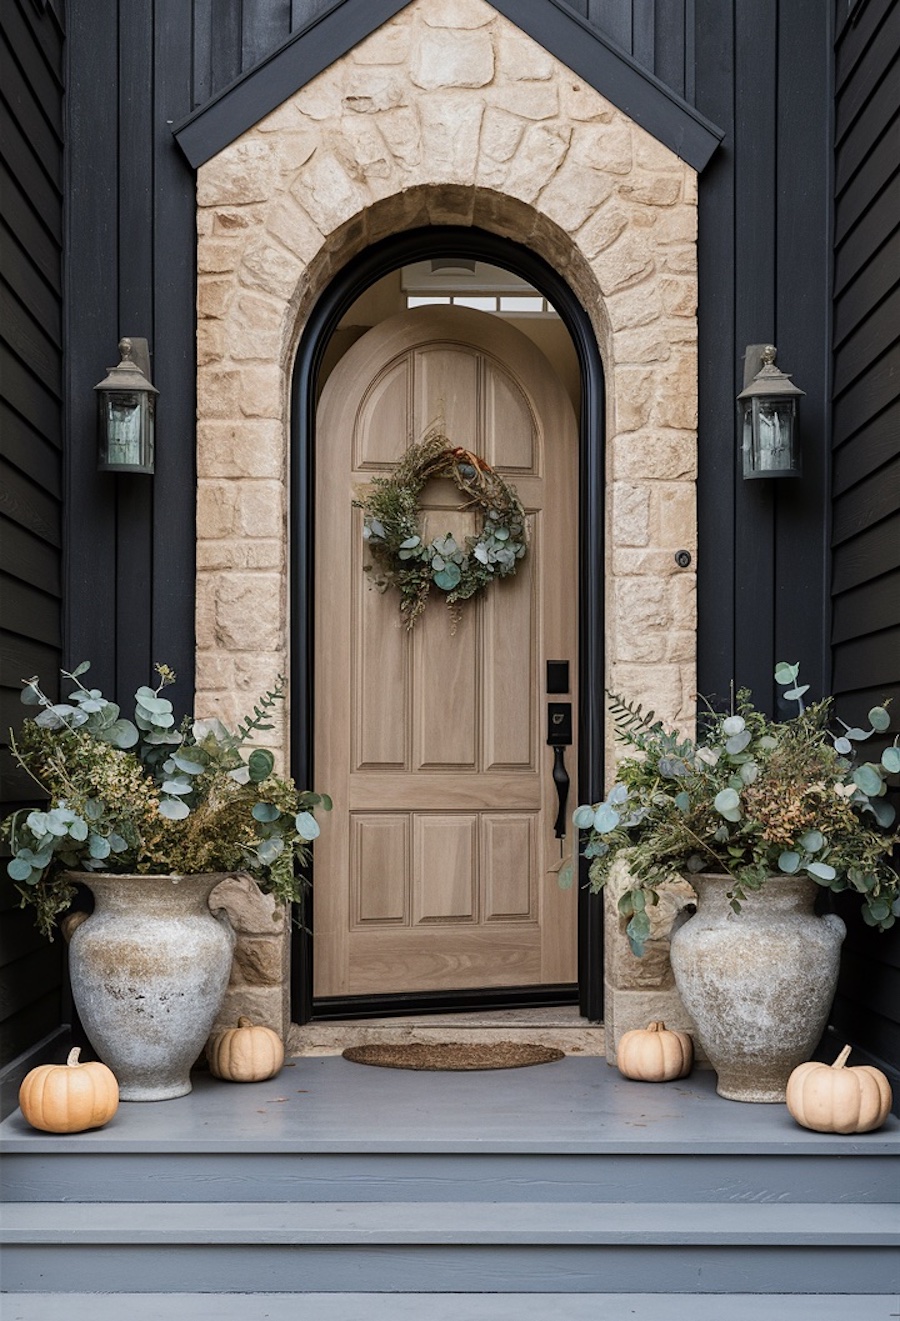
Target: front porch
[[560, 1190]]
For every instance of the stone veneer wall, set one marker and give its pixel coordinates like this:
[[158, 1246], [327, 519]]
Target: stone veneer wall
[[448, 114]]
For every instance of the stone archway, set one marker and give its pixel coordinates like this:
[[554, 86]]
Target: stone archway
[[448, 114]]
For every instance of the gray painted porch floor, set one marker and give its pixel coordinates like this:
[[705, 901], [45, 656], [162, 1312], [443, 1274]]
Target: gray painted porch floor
[[575, 1105]]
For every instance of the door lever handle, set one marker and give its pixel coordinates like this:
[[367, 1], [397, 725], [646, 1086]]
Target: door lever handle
[[561, 780]]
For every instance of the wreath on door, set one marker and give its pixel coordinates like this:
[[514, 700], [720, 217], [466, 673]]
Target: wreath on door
[[394, 531]]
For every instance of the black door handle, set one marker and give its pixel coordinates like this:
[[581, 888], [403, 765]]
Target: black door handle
[[561, 780]]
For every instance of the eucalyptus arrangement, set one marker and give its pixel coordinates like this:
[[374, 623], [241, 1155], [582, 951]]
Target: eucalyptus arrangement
[[752, 799], [151, 796], [405, 559]]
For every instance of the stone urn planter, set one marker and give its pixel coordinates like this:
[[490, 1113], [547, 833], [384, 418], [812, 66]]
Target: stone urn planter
[[759, 983], [149, 970]]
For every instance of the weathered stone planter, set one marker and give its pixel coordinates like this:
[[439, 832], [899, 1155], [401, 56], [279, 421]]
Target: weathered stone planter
[[149, 969], [759, 983]]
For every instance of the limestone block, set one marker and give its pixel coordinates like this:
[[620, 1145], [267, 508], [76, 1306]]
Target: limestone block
[[681, 646], [365, 154], [655, 455], [368, 91], [582, 102], [656, 687], [679, 260], [282, 121], [259, 509], [386, 45], [642, 344], [627, 261], [214, 296], [242, 172], [635, 306], [217, 392], [684, 600], [270, 267], [676, 224], [249, 448], [573, 194], [539, 157], [451, 124], [643, 606], [651, 189], [255, 330], [242, 554], [265, 1006], [501, 133], [650, 154], [405, 210], [248, 611], [676, 514], [258, 961], [625, 1010], [450, 204], [521, 59], [291, 226], [602, 229], [527, 100], [444, 57], [231, 221], [401, 131], [325, 190], [216, 504], [250, 912], [630, 515], [214, 669], [319, 100], [217, 255], [255, 673], [679, 294], [262, 391], [634, 388], [605, 147], [456, 13], [627, 560], [210, 342]]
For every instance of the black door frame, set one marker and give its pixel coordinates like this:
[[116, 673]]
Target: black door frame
[[370, 265]]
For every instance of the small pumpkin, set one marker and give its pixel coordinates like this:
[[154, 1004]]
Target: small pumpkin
[[70, 1097], [246, 1053], [655, 1054], [830, 1098]]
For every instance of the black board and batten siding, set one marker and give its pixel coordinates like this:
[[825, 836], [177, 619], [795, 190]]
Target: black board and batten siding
[[866, 435], [31, 438]]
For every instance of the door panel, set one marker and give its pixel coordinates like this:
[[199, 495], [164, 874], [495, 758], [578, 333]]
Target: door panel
[[438, 867]]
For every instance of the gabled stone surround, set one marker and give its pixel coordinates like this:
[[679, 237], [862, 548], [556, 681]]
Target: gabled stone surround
[[448, 114]]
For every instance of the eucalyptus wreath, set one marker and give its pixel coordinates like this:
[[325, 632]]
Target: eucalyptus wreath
[[395, 534]]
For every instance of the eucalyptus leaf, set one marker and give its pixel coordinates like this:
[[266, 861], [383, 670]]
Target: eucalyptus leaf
[[683, 802], [879, 719], [726, 802], [789, 862], [265, 812], [260, 763], [606, 818], [78, 829], [19, 869], [173, 809], [883, 812], [98, 846], [81, 669], [583, 817], [178, 786], [843, 746], [812, 841], [794, 694], [448, 578], [732, 725], [269, 850], [189, 765], [890, 760], [867, 779], [821, 871], [306, 825], [30, 696], [785, 673], [738, 742]]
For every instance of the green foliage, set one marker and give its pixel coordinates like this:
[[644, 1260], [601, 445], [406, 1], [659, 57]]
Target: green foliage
[[401, 556], [150, 797], [749, 798]]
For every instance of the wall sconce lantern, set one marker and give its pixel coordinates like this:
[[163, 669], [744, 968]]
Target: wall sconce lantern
[[126, 403], [767, 415]]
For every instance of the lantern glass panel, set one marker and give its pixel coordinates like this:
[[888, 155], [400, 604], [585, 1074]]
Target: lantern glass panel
[[126, 425], [767, 440]]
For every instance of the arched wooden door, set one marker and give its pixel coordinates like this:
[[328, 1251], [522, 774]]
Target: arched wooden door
[[438, 869]]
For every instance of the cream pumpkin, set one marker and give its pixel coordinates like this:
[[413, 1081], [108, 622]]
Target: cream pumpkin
[[245, 1053], [70, 1097], [655, 1054], [830, 1098]]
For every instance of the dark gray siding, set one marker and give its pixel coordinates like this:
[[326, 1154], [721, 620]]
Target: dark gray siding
[[866, 473], [31, 434]]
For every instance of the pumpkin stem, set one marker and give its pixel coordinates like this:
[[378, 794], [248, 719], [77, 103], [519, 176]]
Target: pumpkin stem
[[656, 1027], [842, 1058], [73, 1055], [243, 1021]]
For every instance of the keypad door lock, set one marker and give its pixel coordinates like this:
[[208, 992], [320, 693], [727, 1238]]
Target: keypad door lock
[[559, 724]]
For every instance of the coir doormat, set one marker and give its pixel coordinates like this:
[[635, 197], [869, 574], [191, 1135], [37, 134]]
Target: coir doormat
[[455, 1056]]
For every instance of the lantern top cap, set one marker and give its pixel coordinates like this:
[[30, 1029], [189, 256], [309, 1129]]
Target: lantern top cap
[[126, 375], [770, 381]]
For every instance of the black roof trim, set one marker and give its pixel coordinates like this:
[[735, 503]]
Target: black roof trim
[[562, 32]]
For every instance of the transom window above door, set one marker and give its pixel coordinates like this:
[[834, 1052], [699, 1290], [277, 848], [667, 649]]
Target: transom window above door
[[464, 282]]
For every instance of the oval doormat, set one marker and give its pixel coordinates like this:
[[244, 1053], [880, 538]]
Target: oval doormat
[[454, 1056]]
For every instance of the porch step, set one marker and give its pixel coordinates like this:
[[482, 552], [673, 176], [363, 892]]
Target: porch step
[[560, 1179], [448, 1307], [496, 1247]]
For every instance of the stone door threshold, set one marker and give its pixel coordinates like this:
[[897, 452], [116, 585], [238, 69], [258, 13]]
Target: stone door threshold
[[562, 1027]]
